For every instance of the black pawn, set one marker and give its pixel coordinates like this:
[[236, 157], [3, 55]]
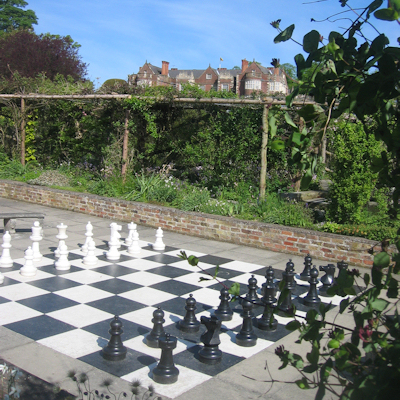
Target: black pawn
[[252, 294], [306, 274], [328, 280], [158, 330], [269, 280], [312, 298], [224, 312], [166, 372], [115, 350], [268, 299], [210, 353], [290, 284], [190, 324], [246, 337]]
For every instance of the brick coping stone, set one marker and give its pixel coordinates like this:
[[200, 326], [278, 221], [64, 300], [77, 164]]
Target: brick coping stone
[[297, 241]]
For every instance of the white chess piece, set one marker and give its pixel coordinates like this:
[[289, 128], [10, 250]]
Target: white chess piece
[[131, 229], [28, 269], [114, 243], [89, 235], [159, 244], [115, 235], [1, 278], [5, 259], [134, 248], [36, 237], [90, 258], [62, 264], [62, 236]]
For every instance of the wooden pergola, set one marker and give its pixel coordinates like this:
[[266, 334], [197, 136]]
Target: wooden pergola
[[265, 102]]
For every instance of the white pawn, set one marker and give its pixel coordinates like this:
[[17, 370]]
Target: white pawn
[[1, 278], [5, 259], [62, 264], [62, 236], [28, 269], [159, 244], [131, 229], [89, 235], [134, 248], [36, 237], [90, 258]]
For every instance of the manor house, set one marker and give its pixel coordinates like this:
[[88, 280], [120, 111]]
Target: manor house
[[252, 77]]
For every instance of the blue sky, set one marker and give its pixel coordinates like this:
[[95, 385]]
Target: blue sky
[[117, 37]]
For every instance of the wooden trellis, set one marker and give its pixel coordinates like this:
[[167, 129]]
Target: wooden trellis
[[266, 103]]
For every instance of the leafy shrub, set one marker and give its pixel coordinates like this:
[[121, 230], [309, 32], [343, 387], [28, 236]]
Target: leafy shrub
[[275, 210], [352, 178]]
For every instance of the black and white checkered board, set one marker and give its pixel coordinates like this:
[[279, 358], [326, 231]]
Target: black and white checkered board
[[70, 311]]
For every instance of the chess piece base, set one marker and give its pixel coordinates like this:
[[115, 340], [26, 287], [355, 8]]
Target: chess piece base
[[165, 376], [210, 355], [111, 354]]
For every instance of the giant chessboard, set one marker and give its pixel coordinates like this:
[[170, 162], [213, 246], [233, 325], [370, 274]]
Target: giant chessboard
[[70, 311]]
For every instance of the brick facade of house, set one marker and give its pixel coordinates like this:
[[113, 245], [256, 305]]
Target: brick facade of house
[[252, 77], [321, 245]]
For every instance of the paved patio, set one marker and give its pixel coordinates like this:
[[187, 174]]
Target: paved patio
[[250, 379]]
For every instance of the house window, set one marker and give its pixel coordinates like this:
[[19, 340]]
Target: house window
[[144, 74], [208, 76], [253, 72], [274, 86], [224, 87], [253, 85], [202, 87]]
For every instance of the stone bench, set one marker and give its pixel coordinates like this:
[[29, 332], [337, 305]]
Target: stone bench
[[10, 219]]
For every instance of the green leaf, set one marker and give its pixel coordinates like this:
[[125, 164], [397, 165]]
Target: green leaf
[[334, 344], [350, 291], [289, 121], [272, 125], [293, 325], [285, 35], [367, 279], [379, 304], [193, 261], [306, 180], [313, 356], [343, 304], [382, 259], [302, 383], [311, 41], [216, 271], [310, 112], [386, 14], [234, 290], [278, 144]]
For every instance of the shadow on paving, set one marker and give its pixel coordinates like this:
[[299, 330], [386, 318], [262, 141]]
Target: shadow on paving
[[33, 388]]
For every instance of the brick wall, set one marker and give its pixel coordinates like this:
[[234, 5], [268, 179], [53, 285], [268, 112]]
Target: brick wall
[[298, 241]]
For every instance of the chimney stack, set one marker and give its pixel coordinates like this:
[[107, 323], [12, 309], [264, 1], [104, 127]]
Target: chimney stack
[[164, 69], [276, 71], [245, 64]]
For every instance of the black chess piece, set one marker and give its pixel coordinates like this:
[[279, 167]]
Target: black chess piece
[[268, 299], [210, 353], [115, 350], [246, 337], [306, 274], [190, 324], [342, 265], [166, 373], [158, 329], [269, 274], [312, 298], [328, 280], [252, 294], [224, 311], [290, 284]]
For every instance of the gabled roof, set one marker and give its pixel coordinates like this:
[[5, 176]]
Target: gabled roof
[[156, 70], [173, 73]]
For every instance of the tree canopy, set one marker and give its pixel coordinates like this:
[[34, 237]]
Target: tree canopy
[[29, 54], [12, 16]]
